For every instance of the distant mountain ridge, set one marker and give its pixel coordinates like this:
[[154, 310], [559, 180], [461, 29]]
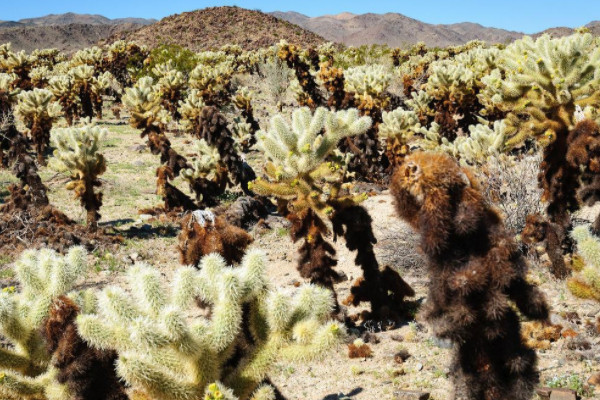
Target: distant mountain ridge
[[397, 30], [73, 18]]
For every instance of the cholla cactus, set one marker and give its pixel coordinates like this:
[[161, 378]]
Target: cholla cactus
[[293, 57], [144, 105], [77, 150], [545, 79], [368, 80], [83, 82], [38, 111], [103, 84], [398, 128], [91, 56], [243, 101], [213, 82], [190, 110], [586, 284], [540, 83], [167, 351], [171, 84], [64, 91], [310, 192], [207, 176], [420, 102], [43, 276], [40, 76], [19, 64], [481, 143]]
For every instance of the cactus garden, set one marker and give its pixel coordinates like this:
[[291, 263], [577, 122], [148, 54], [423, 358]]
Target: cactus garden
[[300, 222]]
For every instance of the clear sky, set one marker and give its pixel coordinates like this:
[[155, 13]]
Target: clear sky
[[527, 16]]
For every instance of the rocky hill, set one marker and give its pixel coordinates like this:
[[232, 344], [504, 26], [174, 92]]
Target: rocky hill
[[394, 29], [212, 27], [63, 37]]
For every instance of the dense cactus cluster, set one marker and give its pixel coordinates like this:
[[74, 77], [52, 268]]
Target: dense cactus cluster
[[453, 129]]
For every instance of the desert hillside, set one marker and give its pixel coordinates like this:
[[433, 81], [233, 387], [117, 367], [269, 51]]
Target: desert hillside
[[212, 27]]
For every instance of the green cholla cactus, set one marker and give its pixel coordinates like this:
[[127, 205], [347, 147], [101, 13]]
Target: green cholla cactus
[[587, 283], [213, 82], [90, 56], [372, 80], [242, 134], [171, 84], [77, 150], [420, 102], [19, 64], [190, 110], [545, 79], [144, 104], [63, 89], [398, 128], [297, 151], [25, 366], [451, 80], [207, 176], [481, 143], [38, 112], [40, 76], [168, 351]]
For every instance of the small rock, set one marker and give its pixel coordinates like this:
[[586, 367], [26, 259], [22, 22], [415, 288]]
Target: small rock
[[563, 394], [145, 217], [442, 343], [411, 395], [139, 148], [134, 256], [398, 372], [343, 276], [594, 379], [397, 338], [419, 367]]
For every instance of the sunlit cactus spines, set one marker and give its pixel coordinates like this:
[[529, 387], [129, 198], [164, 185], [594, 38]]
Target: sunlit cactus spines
[[91, 56], [372, 80], [213, 82], [19, 64], [191, 109], [171, 84], [77, 150], [586, 283], [398, 128], [64, 91], [25, 367], [168, 351], [38, 111], [144, 105], [207, 177], [545, 79]]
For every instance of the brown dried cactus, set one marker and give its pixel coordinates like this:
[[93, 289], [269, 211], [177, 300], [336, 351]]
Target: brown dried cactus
[[291, 55], [476, 271], [203, 233], [89, 373]]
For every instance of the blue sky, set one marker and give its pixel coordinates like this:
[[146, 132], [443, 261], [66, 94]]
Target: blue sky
[[527, 16]]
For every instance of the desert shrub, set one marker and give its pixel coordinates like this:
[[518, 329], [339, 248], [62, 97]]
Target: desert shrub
[[180, 58]]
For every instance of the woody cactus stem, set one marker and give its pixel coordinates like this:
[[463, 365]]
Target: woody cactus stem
[[291, 55], [333, 80], [477, 278], [243, 101], [77, 151], [213, 128]]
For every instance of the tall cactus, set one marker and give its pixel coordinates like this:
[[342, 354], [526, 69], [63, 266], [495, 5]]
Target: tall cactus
[[310, 193], [477, 274], [540, 83], [38, 112], [77, 150], [167, 351]]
